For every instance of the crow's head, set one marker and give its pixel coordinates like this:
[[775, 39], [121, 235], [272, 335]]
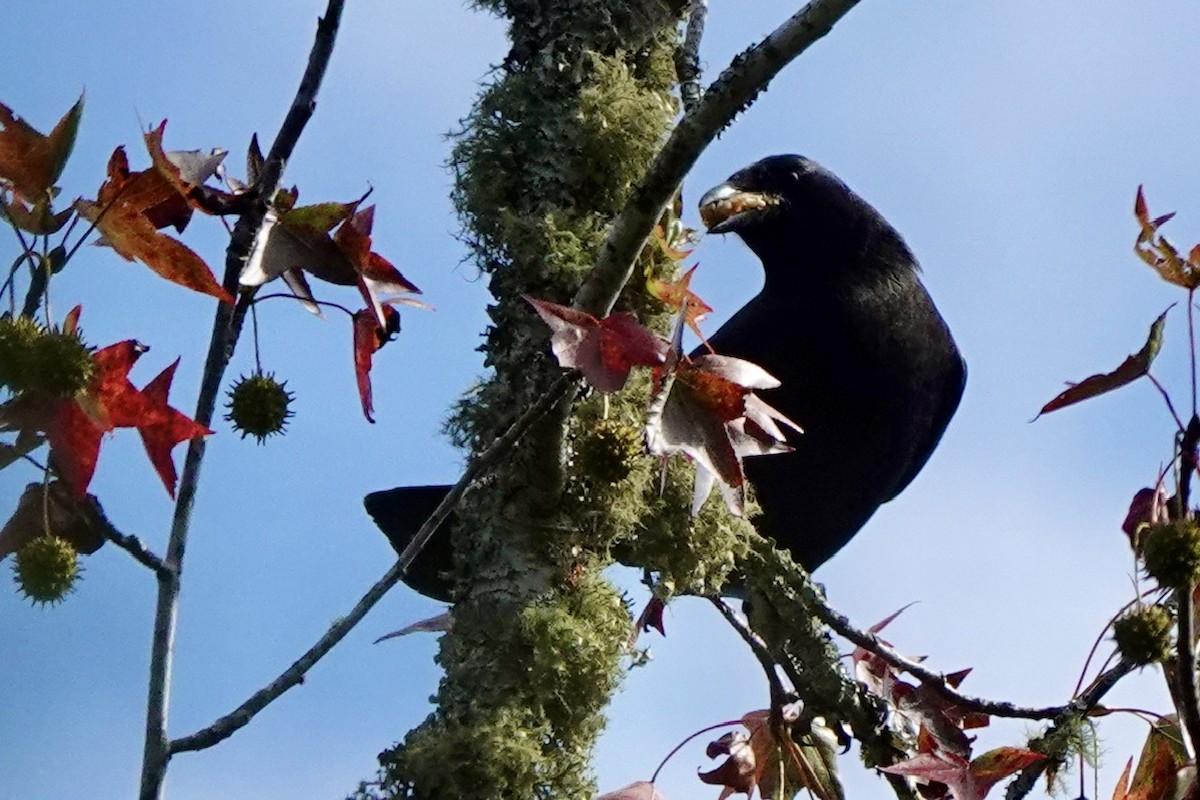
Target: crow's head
[[789, 208]]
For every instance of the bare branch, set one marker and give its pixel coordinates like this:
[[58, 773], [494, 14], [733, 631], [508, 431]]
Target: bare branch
[[133, 545], [226, 327], [733, 91], [779, 696], [687, 57], [227, 725]]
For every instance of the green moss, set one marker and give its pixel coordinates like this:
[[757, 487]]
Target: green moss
[[544, 161]]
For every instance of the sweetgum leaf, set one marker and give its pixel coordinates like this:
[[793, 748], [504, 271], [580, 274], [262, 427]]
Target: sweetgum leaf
[[163, 427], [679, 295], [368, 338], [603, 350], [31, 162], [1132, 368], [78, 521], [120, 215]]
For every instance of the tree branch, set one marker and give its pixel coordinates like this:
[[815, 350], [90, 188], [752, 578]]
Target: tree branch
[[687, 57], [1024, 783], [226, 327], [133, 545], [779, 696], [1185, 665], [227, 725], [934, 680], [733, 91]]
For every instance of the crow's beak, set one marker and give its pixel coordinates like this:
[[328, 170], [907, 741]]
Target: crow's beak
[[724, 208]]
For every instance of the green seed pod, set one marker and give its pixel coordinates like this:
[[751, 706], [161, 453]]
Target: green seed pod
[[259, 406], [607, 453], [62, 364], [46, 569], [1171, 553], [1143, 636], [19, 338]]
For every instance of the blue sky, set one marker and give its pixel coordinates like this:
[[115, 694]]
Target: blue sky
[[1004, 140]]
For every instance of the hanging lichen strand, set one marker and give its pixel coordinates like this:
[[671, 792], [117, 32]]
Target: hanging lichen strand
[[545, 160]]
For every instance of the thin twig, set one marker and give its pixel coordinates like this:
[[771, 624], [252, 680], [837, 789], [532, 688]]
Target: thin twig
[[1023, 784], [1166, 397], [779, 696], [227, 725], [226, 327], [687, 57], [133, 545], [733, 91], [934, 680]]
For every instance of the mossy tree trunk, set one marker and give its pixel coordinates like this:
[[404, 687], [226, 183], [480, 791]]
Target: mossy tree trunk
[[546, 159]]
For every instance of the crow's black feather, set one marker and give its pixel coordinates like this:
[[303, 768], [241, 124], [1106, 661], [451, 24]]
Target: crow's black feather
[[867, 365]]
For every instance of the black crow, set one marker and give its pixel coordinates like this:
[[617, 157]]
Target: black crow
[[867, 365]]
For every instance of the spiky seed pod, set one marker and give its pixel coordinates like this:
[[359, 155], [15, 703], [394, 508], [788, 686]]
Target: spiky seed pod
[[62, 364], [259, 406], [608, 451], [1143, 636], [19, 338], [1171, 553], [46, 569]]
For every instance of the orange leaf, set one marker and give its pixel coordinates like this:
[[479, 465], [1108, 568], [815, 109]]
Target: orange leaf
[[133, 236], [679, 293], [31, 162]]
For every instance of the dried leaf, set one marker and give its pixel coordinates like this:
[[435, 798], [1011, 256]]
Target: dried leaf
[[603, 350], [77, 520], [368, 338], [31, 162], [1132, 368], [679, 295], [1160, 254], [439, 624], [120, 216]]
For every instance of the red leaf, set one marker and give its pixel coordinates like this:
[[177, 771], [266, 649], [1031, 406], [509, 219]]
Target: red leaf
[[1132, 368], [31, 162], [603, 350], [163, 427], [995, 765], [120, 215], [74, 445], [75, 427], [368, 338]]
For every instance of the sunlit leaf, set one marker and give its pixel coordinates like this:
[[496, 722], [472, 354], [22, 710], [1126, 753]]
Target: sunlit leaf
[[31, 162], [1132, 368]]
